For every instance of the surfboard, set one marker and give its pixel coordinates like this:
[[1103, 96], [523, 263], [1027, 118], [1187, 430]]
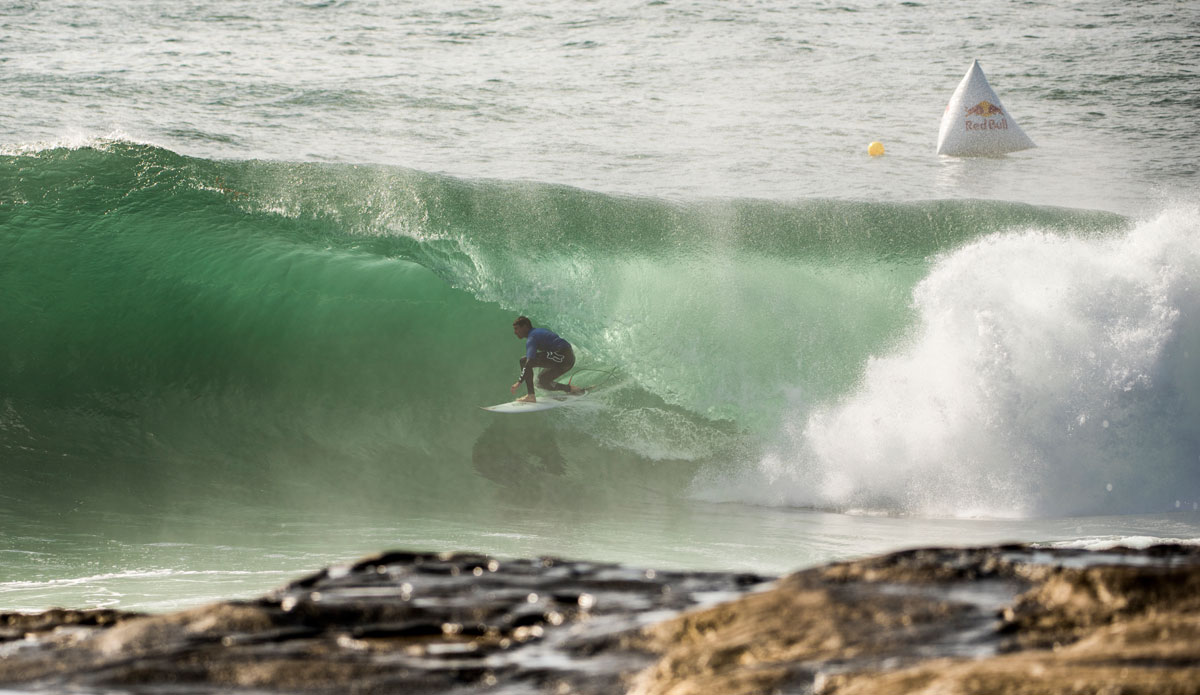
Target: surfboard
[[545, 401]]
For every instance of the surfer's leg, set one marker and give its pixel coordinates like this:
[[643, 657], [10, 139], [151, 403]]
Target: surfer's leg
[[553, 370]]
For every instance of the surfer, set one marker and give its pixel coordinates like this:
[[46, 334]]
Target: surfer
[[544, 349]]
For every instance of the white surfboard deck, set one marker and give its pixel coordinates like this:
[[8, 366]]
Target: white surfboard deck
[[545, 401]]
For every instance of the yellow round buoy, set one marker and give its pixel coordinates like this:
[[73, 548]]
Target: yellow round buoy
[[875, 149]]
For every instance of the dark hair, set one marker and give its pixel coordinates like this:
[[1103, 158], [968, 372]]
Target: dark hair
[[523, 321]]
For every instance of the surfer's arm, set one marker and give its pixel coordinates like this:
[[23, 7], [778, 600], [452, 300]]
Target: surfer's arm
[[526, 364], [530, 353]]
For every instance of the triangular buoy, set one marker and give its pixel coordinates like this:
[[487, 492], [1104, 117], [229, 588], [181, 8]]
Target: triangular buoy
[[976, 123]]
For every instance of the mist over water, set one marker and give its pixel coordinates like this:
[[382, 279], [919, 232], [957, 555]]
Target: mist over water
[[258, 266]]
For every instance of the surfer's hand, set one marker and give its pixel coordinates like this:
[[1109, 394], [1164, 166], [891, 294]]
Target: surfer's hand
[[513, 388]]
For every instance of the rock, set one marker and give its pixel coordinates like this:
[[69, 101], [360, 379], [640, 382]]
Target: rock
[[1011, 619], [396, 622], [1002, 620]]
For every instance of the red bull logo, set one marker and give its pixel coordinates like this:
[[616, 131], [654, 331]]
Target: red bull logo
[[986, 110]]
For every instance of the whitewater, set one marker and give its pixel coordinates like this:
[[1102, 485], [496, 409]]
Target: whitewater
[[259, 265]]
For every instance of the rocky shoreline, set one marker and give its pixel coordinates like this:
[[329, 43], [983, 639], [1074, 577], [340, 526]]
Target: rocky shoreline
[[1007, 619]]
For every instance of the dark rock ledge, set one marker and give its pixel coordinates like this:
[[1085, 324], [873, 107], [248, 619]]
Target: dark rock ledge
[[1011, 619]]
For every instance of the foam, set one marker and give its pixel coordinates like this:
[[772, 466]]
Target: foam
[[1111, 542], [1047, 375]]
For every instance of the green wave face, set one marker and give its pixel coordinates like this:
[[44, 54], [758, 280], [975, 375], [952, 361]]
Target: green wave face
[[175, 327]]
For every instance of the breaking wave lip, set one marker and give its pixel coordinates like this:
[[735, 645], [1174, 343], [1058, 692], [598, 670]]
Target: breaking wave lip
[[77, 140]]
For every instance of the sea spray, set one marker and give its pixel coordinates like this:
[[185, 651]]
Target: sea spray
[[1046, 374]]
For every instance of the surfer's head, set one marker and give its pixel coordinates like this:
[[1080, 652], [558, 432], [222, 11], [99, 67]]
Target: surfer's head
[[522, 326]]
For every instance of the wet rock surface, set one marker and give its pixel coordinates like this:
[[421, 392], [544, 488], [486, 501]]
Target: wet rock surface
[[1011, 619]]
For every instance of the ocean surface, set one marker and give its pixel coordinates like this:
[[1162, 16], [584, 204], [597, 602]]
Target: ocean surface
[[259, 263]]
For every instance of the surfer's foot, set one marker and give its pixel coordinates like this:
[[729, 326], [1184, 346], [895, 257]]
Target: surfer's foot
[[527, 398], [576, 391]]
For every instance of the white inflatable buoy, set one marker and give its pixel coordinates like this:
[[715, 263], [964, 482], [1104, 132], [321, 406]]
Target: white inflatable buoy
[[976, 123]]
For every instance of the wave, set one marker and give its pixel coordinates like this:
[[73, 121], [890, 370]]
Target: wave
[[180, 328]]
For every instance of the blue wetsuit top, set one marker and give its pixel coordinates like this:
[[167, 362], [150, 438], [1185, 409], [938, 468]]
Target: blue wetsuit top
[[543, 340]]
